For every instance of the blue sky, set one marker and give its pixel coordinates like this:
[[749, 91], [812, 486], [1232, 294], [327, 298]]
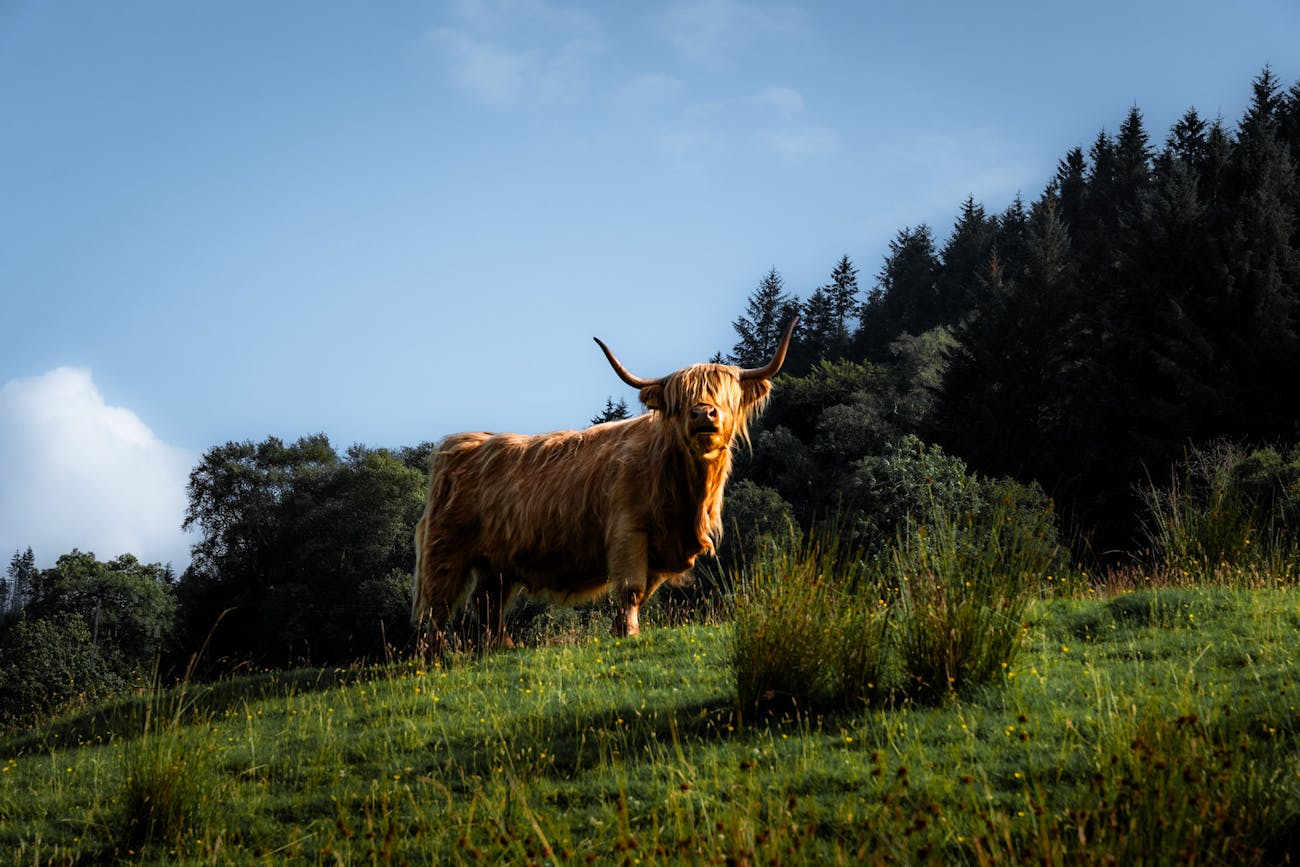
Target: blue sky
[[389, 222]]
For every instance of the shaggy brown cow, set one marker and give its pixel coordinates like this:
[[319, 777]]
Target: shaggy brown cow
[[564, 516]]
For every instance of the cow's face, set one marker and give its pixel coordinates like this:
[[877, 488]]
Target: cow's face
[[707, 406]]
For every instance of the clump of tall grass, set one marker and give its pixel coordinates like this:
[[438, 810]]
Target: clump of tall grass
[[163, 792], [167, 769], [963, 584], [1183, 789], [1226, 516], [810, 627], [940, 611]]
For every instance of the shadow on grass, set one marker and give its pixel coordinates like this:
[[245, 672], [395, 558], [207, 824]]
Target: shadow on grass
[[123, 718], [575, 744]]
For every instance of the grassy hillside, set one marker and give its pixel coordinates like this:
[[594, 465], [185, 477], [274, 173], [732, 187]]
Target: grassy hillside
[[1156, 726]]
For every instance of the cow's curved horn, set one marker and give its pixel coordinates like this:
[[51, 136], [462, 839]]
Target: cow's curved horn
[[778, 358], [623, 373]]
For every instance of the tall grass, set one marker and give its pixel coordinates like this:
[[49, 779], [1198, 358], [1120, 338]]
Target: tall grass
[[167, 778], [963, 587], [810, 628], [942, 610], [1179, 788], [1212, 524], [167, 773]]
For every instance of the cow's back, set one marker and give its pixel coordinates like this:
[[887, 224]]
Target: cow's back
[[536, 507]]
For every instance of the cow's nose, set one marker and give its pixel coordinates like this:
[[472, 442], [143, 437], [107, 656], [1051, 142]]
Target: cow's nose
[[704, 412]]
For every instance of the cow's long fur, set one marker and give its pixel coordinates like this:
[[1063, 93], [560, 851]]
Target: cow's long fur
[[565, 516]]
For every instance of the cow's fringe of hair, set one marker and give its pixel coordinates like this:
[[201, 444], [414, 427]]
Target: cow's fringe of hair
[[745, 400]]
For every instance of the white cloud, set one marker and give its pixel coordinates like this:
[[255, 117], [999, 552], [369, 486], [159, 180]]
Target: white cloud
[[651, 90], [691, 147], [800, 143], [716, 31], [78, 473], [783, 99], [487, 71], [505, 51]]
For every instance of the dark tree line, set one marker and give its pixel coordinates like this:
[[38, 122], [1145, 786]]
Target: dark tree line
[[1149, 299], [1071, 348], [80, 630], [304, 555]]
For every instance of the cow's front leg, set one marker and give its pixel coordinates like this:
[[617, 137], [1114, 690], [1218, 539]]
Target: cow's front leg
[[628, 568], [629, 616]]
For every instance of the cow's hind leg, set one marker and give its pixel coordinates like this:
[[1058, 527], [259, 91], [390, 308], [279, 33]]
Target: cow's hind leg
[[493, 593], [442, 577]]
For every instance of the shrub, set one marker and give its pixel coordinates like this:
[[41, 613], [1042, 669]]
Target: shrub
[[47, 664], [383, 613], [910, 482], [963, 585], [810, 628], [753, 517], [939, 611], [1225, 510]]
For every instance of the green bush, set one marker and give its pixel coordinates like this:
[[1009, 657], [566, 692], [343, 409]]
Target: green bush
[[910, 483], [47, 664], [754, 517]]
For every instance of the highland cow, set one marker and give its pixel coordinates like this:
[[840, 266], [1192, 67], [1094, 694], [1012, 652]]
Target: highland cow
[[566, 516]]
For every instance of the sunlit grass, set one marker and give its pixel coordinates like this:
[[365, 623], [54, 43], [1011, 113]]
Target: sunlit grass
[[1117, 714]]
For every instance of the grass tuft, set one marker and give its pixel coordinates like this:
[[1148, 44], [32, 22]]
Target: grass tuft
[[964, 585], [941, 612], [166, 774], [810, 629]]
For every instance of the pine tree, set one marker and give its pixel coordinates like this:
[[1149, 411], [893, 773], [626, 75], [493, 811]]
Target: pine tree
[[1001, 403], [22, 579], [767, 312], [1132, 155], [964, 256], [904, 298], [1068, 187], [1186, 143], [843, 291], [818, 329], [1289, 121], [1264, 114], [1010, 236], [1187, 394], [1263, 307], [612, 411]]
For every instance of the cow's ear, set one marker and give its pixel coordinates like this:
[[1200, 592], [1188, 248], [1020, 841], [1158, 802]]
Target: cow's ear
[[653, 396], [755, 391]]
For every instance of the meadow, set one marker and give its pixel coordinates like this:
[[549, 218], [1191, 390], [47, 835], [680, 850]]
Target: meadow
[[1145, 725]]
